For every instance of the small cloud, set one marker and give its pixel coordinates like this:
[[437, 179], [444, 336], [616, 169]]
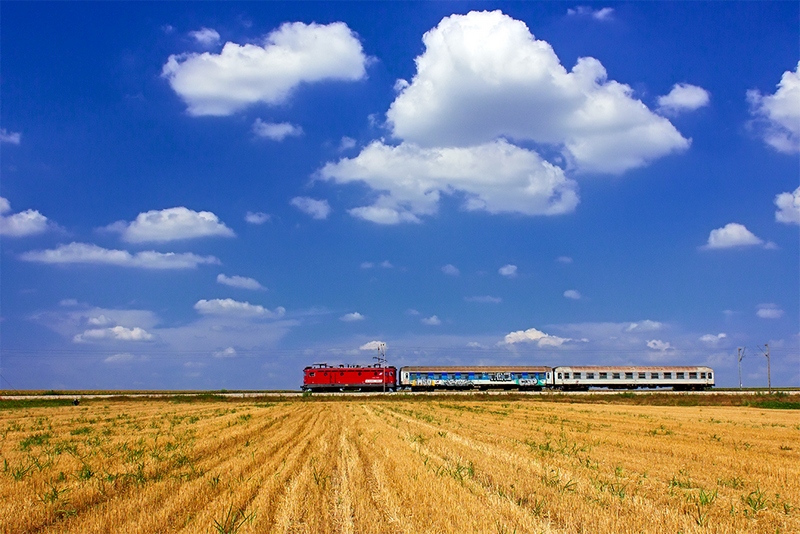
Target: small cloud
[[683, 97], [367, 265], [115, 333], [604, 13], [346, 143], [644, 326], [532, 335], [431, 321], [450, 270], [68, 303], [276, 131], [564, 259], [24, 223], [788, 207], [120, 358], [100, 320], [352, 317], [486, 299], [317, 209], [731, 235], [257, 217], [372, 345], [712, 340], [205, 36], [167, 28], [235, 308], [572, 294], [13, 138], [509, 271], [657, 344], [777, 116], [240, 282], [412, 312], [170, 225], [92, 254], [230, 352], [475, 345], [769, 311], [386, 264]]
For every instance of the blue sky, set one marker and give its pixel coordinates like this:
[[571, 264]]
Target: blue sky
[[214, 195]]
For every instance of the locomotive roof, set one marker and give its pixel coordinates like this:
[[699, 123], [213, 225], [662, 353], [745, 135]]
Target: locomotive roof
[[477, 369]]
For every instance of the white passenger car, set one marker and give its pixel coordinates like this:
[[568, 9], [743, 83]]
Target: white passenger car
[[632, 377]]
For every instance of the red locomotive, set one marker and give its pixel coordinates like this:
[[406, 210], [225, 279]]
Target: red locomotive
[[324, 377]]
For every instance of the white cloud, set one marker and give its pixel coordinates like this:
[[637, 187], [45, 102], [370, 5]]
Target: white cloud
[[100, 320], [68, 303], [597, 14], [509, 271], [572, 294], [495, 177], [258, 217], [24, 223], [713, 340], [431, 321], [778, 115], [731, 235], [10, 137], [346, 143], [240, 282], [657, 344], [230, 352], [114, 333], [169, 225], [769, 311], [484, 76], [241, 75], [412, 312], [386, 264], [533, 335], [205, 36], [788, 207], [644, 326], [276, 131], [564, 259], [317, 209], [367, 265], [92, 254], [352, 317], [235, 308], [683, 97], [120, 358], [486, 299], [450, 270], [372, 345]]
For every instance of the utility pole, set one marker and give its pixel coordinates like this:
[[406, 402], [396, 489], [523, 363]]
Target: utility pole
[[769, 375], [740, 354], [381, 358]]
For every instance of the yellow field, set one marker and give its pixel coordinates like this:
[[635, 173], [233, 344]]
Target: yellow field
[[367, 465]]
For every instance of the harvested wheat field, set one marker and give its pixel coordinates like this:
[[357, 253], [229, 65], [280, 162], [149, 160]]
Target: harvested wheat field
[[398, 465]]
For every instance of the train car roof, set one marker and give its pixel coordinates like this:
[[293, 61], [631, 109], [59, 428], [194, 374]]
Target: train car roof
[[631, 367], [477, 369]]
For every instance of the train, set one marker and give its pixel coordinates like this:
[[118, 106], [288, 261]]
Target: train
[[324, 377]]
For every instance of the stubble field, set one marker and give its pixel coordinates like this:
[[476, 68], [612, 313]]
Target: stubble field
[[398, 465]]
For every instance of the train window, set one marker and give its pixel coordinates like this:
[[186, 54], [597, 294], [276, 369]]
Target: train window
[[615, 375], [628, 376], [445, 376], [654, 376], [559, 375], [702, 375], [312, 373], [566, 375], [681, 376], [642, 376], [603, 376], [709, 376], [668, 376], [693, 376], [590, 376]]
